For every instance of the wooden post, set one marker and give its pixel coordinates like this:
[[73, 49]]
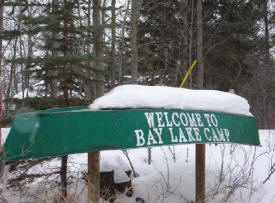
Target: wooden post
[[93, 177], [93, 157], [200, 173], [200, 148]]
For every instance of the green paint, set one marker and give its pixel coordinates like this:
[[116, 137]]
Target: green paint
[[76, 130]]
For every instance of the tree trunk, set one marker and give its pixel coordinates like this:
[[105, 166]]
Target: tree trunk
[[88, 90], [54, 72], [88, 86], [27, 68], [12, 73], [67, 12], [113, 45], [200, 148], [200, 46], [103, 21], [122, 44], [267, 63], [30, 46], [133, 38], [1, 33], [191, 43], [93, 157], [1, 58], [63, 171], [98, 48]]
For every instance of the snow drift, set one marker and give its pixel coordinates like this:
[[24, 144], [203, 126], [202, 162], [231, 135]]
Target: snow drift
[[138, 96]]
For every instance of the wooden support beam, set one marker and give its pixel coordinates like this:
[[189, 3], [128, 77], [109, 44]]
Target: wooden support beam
[[200, 173], [93, 177]]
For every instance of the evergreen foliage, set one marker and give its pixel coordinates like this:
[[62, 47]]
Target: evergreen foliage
[[231, 32], [62, 41]]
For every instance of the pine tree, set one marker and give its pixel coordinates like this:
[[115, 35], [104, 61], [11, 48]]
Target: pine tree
[[63, 60]]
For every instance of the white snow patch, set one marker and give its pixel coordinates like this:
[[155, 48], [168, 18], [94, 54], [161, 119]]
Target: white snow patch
[[35, 91], [120, 176], [4, 134], [138, 96], [38, 90]]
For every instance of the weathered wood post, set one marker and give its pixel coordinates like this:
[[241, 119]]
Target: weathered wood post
[[93, 157], [200, 173], [200, 148]]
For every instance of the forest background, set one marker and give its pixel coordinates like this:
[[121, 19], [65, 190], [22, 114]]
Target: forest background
[[50, 46]]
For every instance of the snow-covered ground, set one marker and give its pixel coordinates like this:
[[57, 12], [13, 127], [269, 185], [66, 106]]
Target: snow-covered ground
[[234, 173], [38, 90]]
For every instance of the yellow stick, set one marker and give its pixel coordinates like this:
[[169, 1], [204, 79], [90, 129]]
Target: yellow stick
[[188, 72]]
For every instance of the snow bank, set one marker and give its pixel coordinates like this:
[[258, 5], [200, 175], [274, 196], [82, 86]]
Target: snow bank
[[171, 176], [35, 91], [138, 96], [38, 90]]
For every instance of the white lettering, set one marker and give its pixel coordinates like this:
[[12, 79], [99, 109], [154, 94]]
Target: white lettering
[[140, 138], [207, 116], [182, 137], [198, 116], [206, 130], [214, 120], [215, 137], [197, 133], [189, 133], [192, 119], [160, 121], [151, 138], [221, 135], [173, 138], [159, 134], [168, 124], [226, 132], [174, 120], [183, 119], [150, 119]]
